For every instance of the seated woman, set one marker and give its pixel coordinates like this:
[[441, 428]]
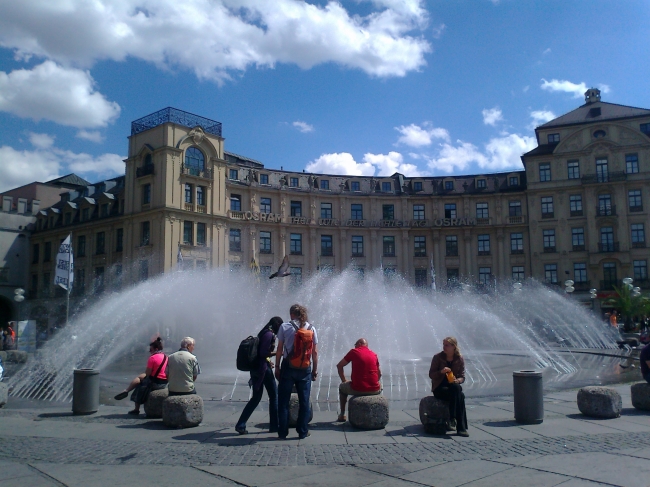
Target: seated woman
[[154, 377], [447, 373]]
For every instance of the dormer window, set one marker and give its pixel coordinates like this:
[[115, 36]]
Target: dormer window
[[417, 186], [355, 186], [645, 128], [294, 182], [481, 184], [553, 138], [599, 134], [264, 179], [233, 174], [449, 185], [325, 184], [386, 187], [513, 181]]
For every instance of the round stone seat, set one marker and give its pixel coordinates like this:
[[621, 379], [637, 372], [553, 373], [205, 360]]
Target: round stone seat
[[434, 415], [294, 407], [368, 412], [182, 411], [153, 406], [4, 394], [3, 356], [599, 402], [17, 356], [641, 396]]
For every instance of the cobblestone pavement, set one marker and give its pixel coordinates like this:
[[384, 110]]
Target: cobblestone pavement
[[102, 452]]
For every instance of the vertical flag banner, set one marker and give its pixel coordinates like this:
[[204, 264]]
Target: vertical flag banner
[[64, 274]]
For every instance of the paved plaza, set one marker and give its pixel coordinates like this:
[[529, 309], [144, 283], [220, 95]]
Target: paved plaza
[[43, 444]]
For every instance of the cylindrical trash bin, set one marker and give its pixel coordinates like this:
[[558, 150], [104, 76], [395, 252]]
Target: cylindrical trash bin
[[529, 398], [85, 391]]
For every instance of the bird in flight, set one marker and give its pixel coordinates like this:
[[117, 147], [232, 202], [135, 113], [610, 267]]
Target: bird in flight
[[283, 270]]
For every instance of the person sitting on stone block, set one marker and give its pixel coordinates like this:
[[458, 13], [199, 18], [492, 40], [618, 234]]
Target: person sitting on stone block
[[366, 374], [183, 369]]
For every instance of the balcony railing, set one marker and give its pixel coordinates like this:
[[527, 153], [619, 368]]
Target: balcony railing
[[606, 210], [642, 283], [483, 252], [549, 250], [638, 245], [635, 209], [173, 115], [578, 248], [326, 253], [608, 246], [582, 286], [514, 220], [482, 221], [452, 253], [205, 173], [548, 215], [604, 178], [576, 213], [144, 170], [608, 284], [516, 251]]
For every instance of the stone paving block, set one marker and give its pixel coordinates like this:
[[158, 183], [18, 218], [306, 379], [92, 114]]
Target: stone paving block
[[599, 402], [183, 411], [452, 474], [368, 412], [434, 415], [263, 475], [154, 404], [519, 477], [641, 396], [17, 356]]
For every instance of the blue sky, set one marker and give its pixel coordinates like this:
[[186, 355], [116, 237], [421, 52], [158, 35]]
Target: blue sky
[[356, 87]]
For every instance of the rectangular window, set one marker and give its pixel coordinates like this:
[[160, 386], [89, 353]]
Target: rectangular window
[[326, 245], [144, 270], [484, 275], [296, 244], [99, 280], [104, 210], [325, 184], [513, 181], [100, 241], [189, 193], [326, 210], [420, 246], [294, 182], [200, 234], [579, 272], [640, 270], [638, 235], [389, 246], [188, 232], [609, 275], [421, 278], [578, 239], [547, 207], [119, 240], [81, 246], [514, 208], [574, 169], [386, 187], [607, 239], [233, 174], [516, 243], [355, 186], [602, 171], [47, 252], [575, 204], [605, 205], [549, 240], [553, 138], [451, 246], [518, 273], [79, 284], [544, 172], [482, 210], [631, 163], [265, 205], [145, 233], [452, 276], [450, 210], [418, 212], [357, 246], [265, 242], [234, 240], [550, 273], [200, 195], [388, 212], [146, 194], [296, 276], [235, 202], [85, 214], [645, 128], [417, 186], [35, 256], [634, 200], [449, 185], [356, 212], [483, 245], [296, 208], [264, 179], [481, 184]]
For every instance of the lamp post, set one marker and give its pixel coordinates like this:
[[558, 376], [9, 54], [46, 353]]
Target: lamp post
[[568, 286], [19, 297], [517, 286]]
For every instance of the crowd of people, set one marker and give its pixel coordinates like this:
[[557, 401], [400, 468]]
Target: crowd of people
[[9, 341], [296, 367]]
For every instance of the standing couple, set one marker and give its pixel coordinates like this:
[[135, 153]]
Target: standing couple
[[296, 359]]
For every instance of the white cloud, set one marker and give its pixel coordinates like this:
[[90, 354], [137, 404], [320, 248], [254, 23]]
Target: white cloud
[[63, 95], [91, 135], [438, 31], [525, 88], [214, 37], [492, 115], [540, 117], [340, 163], [546, 51], [416, 136], [389, 164], [303, 127], [578, 90], [45, 162], [604, 89]]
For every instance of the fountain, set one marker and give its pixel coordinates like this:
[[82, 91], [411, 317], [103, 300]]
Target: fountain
[[532, 326]]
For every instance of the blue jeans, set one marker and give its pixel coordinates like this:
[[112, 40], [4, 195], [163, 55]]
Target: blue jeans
[[289, 377], [272, 391]]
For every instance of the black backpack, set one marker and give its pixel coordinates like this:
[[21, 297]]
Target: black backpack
[[247, 354]]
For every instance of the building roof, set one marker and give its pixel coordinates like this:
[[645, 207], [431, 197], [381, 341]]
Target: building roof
[[596, 112], [242, 160], [541, 150], [69, 180]]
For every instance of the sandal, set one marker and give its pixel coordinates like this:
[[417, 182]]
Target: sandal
[[121, 395]]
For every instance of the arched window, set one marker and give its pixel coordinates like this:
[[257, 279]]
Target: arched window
[[194, 161]]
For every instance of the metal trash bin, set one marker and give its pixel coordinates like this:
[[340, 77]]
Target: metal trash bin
[[529, 396], [85, 391]]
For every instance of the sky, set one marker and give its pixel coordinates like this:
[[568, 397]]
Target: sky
[[358, 87]]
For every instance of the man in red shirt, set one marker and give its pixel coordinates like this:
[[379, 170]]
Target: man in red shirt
[[365, 374]]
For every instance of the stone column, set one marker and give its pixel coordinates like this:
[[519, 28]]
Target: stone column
[[406, 250]]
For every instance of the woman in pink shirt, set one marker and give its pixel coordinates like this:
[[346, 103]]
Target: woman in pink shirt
[[154, 377]]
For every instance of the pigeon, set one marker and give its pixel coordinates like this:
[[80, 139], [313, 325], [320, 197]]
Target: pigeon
[[283, 271]]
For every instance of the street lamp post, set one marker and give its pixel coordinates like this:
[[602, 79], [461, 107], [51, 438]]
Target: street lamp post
[[568, 286], [19, 297]]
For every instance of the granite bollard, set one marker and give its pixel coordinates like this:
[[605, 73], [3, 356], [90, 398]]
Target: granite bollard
[[368, 412], [182, 411], [4, 394], [153, 406], [434, 415], [641, 396], [17, 356], [599, 402], [294, 407]]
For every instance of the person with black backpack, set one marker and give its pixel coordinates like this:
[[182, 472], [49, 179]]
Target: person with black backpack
[[297, 347], [258, 362]]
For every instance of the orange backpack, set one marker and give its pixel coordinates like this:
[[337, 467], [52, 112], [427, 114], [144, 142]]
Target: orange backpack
[[303, 345]]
